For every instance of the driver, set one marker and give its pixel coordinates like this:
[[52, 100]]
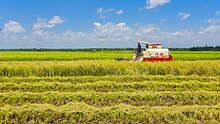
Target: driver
[[139, 49]]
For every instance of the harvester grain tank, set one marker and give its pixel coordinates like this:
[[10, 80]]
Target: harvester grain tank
[[153, 52]]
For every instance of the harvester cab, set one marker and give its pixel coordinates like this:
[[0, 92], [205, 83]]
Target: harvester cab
[[153, 52]]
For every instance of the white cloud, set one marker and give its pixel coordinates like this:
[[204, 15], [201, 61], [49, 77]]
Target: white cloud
[[184, 16], [110, 27], [213, 21], [44, 23], [119, 12], [111, 32], [155, 3], [42, 34], [217, 12], [56, 20], [103, 12], [112, 35], [109, 10], [76, 36], [209, 35], [13, 27], [97, 24], [185, 38], [149, 29], [178, 33], [99, 11], [211, 29]]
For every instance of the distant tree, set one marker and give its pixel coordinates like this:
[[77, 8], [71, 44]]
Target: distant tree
[[205, 48]]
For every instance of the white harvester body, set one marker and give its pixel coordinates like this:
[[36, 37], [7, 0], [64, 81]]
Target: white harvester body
[[153, 52]]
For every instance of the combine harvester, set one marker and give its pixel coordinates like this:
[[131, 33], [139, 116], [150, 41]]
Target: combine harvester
[[153, 52]]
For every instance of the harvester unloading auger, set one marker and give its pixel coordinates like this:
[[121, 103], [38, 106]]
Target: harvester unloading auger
[[153, 52]]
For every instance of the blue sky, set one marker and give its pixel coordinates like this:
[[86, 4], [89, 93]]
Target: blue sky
[[108, 23]]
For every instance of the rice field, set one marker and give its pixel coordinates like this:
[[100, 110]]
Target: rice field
[[99, 55], [58, 87]]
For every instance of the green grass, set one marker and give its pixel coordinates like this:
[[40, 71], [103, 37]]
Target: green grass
[[62, 56], [106, 55], [196, 55]]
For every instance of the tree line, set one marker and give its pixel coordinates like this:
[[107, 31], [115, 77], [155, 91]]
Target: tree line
[[197, 48]]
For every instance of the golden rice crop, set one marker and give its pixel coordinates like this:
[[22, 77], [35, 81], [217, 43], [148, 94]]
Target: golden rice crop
[[109, 92], [101, 99], [77, 112], [113, 78], [102, 68], [103, 86]]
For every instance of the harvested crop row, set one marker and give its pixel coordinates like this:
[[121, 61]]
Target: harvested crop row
[[83, 113], [113, 98], [111, 86], [102, 68], [122, 79]]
